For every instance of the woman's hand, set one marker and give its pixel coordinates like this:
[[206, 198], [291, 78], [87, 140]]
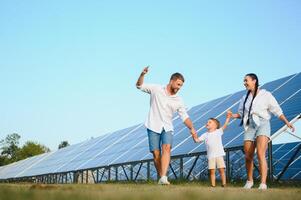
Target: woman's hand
[[290, 126]]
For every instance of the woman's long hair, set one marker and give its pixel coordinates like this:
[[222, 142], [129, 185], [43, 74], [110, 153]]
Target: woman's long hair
[[254, 77]]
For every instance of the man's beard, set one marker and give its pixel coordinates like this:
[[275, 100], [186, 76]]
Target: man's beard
[[174, 90]]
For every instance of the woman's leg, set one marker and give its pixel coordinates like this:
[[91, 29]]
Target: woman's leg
[[249, 148], [261, 145]]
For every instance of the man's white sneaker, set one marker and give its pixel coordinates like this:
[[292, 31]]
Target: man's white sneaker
[[248, 185], [263, 186], [163, 181]]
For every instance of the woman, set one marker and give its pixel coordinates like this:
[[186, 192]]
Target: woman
[[255, 112]]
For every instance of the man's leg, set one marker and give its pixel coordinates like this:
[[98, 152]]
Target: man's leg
[[166, 138], [157, 161], [154, 148], [165, 159]]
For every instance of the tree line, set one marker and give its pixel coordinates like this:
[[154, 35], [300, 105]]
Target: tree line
[[12, 152]]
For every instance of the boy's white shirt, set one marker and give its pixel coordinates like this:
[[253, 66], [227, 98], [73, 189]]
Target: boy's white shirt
[[162, 108], [213, 141], [263, 105]]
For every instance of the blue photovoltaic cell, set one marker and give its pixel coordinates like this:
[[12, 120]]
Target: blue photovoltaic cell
[[281, 157], [131, 144], [15, 169]]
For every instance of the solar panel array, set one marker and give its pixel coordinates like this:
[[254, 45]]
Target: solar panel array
[[131, 144]]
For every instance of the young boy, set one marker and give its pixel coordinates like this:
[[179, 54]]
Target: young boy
[[215, 149]]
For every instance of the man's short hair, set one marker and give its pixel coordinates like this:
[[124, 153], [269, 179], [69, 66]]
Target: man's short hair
[[177, 76]]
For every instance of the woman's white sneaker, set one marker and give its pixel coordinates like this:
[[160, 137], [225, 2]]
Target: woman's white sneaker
[[248, 185], [163, 181], [263, 186]]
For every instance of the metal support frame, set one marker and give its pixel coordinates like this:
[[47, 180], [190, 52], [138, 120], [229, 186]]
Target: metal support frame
[[289, 162], [228, 166], [173, 171], [193, 165], [181, 168], [270, 162], [125, 173], [138, 171]]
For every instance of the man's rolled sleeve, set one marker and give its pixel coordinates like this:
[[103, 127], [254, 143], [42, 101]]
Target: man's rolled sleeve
[[148, 88], [182, 112]]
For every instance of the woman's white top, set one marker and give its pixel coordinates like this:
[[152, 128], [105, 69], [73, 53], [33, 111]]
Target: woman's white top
[[263, 105]]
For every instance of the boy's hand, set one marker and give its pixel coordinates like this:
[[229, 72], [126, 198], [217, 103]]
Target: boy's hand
[[197, 140]]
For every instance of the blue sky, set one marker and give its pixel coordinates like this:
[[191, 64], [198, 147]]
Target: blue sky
[[68, 68]]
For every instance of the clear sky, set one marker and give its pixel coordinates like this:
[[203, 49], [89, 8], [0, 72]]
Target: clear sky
[[68, 68]]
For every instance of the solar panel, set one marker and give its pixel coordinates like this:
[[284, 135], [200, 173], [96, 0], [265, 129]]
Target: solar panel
[[131, 144]]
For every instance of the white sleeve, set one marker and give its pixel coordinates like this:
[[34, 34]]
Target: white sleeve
[[220, 131], [241, 106], [274, 107], [148, 88], [182, 111], [203, 137]]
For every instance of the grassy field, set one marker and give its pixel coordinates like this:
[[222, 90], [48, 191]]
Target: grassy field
[[131, 191]]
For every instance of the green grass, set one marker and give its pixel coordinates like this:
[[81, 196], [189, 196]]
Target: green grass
[[148, 191]]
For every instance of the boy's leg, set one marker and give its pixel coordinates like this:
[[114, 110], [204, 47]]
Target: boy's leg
[[211, 167], [223, 176], [221, 167], [212, 177]]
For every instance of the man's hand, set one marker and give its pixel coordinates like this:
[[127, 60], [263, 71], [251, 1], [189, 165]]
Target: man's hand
[[194, 135], [141, 77], [145, 70]]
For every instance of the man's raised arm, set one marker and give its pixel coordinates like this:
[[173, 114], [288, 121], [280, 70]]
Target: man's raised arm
[[141, 77]]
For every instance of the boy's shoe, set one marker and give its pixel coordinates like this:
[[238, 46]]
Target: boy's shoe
[[163, 181], [249, 185], [223, 185], [263, 186]]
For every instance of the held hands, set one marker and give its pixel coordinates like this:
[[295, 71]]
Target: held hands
[[194, 135], [229, 114]]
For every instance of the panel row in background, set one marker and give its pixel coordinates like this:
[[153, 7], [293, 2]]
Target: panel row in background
[[282, 154], [130, 144]]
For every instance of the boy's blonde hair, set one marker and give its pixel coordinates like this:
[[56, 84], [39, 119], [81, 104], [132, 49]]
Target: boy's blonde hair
[[218, 124]]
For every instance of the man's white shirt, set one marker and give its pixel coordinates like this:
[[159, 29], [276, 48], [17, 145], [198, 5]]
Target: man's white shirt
[[162, 108]]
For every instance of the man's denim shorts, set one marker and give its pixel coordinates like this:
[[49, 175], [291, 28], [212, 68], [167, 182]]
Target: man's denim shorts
[[155, 140], [253, 131]]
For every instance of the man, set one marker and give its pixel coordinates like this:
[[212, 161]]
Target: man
[[164, 102]]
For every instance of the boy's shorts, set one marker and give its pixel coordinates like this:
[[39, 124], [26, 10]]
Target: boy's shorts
[[217, 162], [155, 140]]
